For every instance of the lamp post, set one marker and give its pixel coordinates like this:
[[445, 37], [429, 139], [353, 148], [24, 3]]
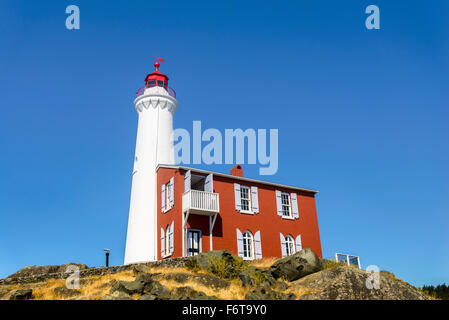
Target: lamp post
[[107, 256]]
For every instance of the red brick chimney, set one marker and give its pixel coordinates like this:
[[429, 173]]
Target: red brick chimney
[[237, 171]]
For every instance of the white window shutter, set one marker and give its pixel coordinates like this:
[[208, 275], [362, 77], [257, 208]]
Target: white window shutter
[[294, 205], [162, 242], [239, 243], [172, 191], [172, 239], [279, 202], [283, 249], [238, 201], [258, 245], [209, 183], [163, 198], [254, 200], [298, 243], [187, 181]]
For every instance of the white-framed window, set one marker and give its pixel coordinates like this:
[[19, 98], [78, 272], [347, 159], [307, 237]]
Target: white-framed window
[[167, 195], [248, 245], [245, 198], [285, 201], [289, 245], [168, 234]]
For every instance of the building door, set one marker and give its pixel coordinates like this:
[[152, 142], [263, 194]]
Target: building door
[[193, 242]]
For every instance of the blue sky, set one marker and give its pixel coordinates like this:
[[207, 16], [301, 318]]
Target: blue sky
[[362, 117]]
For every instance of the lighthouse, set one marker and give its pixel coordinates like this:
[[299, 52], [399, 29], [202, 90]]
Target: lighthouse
[[155, 105]]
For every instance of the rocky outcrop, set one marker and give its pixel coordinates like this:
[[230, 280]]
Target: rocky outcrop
[[41, 270], [348, 283], [300, 276], [24, 294], [206, 280], [296, 266], [265, 292], [188, 293], [64, 292]]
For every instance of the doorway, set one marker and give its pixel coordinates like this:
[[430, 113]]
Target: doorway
[[193, 242]]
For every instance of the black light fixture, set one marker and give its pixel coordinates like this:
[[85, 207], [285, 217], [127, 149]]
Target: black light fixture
[[107, 256]]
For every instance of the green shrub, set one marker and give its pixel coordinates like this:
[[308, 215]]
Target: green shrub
[[331, 264], [192, 264]]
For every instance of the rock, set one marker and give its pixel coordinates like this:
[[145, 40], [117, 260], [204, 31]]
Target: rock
[[64, 292], [280, 286], [180, 277], [127, 287], [246, 279], [264, 292], [21, 294], [210, 281], [140, 268], [188, 293], [200, 278], [296, 266], [117, 295], [144, 285], [157, 292], [39, 270], [348, 283], [206, 260]]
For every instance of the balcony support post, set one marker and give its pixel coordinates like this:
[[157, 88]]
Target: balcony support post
[[185, 216], [211, 228]]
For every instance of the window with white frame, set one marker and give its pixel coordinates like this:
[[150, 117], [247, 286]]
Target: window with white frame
[[289, 245], [167, 241], [285, 198], [245, 198], [248, 245], [167, 195]]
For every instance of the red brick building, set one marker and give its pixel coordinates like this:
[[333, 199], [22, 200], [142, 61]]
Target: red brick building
[[200, 211]]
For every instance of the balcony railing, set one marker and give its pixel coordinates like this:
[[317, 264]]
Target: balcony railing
[[157, 83], [201, 202]]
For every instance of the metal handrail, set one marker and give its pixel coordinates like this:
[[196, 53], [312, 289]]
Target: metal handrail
[[170, 90]]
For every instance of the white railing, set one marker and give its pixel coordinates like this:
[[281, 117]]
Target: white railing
[[200, 202]]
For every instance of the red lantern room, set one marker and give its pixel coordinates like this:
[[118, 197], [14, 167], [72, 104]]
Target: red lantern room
[[156, 79]]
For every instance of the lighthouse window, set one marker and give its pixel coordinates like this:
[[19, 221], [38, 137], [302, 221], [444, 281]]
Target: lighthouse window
[[285, 197], [245, 198]]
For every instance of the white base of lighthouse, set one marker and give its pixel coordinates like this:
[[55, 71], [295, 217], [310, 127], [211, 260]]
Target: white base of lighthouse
[[154, 146]]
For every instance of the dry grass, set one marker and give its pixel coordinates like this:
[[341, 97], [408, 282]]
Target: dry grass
[[300, 291], [262, 263], [233, 292], [93, 287]]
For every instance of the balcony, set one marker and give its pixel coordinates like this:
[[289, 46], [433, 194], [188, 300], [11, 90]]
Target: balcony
[[201, 202], [157, 83]]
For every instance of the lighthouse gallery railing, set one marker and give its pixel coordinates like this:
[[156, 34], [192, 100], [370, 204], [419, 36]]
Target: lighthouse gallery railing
[[157, 83]]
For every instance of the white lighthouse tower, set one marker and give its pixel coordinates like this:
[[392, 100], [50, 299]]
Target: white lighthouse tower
[[155, 105]]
